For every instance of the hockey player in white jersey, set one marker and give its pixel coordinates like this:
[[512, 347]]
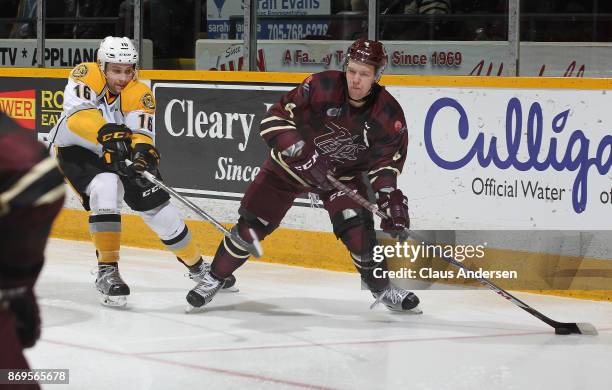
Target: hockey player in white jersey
[[108, 116]]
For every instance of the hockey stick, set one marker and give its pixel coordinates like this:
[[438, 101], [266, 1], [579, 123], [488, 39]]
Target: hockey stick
[[560, 327], [253, 248]]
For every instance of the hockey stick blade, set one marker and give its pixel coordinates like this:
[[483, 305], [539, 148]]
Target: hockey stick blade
[[253, 248], [575, 328], [586, 328], [560, 327]]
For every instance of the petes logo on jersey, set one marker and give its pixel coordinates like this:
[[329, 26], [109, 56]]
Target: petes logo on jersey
[[339, 144]]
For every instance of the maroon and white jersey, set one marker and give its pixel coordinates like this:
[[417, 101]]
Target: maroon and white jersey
[[31, 195], [372, 138]]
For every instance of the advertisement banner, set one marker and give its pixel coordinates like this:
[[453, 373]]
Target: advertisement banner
[[218, 13], [59, 53], [487, 158], [479, 158], [34, 103], [416, 58], [209, 135]]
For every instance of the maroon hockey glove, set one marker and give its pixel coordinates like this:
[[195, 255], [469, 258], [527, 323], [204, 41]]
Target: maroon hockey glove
[[145, 158], [394, 204], [313, 168], [115, 140], [26, 317]]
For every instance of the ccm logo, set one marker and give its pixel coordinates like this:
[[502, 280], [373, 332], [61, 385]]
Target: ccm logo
[[339, 194], [150, 191], [115, 135], [308, 164]]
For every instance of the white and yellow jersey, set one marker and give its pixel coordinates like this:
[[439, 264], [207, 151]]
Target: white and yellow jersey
[[88, 105]]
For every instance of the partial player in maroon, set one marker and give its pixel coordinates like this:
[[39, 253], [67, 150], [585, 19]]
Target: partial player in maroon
[[31, 195], [339, 123]]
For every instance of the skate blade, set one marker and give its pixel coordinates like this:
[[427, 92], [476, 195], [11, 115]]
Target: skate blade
[[189, 309], [232, 289], [414, 310], [113, 301]]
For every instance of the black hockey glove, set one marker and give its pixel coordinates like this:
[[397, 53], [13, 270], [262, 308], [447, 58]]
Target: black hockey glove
[[115, 140], [394, 204], [22, 305], [145, 158], [313, 168]]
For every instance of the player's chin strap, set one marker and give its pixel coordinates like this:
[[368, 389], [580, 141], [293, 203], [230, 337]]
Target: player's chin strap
[[560, 327], [253, 248]]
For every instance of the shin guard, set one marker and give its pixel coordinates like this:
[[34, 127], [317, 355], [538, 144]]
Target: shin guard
[[105, 231], [360, 242]]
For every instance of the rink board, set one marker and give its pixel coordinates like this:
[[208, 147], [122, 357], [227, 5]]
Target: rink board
[[209, 119]]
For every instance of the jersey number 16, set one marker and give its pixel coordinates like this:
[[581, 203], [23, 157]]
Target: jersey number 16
[[146, 122], [82, 91]]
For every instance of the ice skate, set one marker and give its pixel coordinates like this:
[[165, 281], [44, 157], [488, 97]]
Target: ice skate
[[204, 292], [397, 299], [113, 289], [197, 272]]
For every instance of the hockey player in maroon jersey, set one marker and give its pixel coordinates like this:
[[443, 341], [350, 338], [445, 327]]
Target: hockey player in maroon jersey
[[343, 123], [31, 195]]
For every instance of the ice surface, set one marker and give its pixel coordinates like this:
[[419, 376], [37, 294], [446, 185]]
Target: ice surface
[[292, 327]]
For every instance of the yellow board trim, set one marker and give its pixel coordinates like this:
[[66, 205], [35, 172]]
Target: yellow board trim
[[35, 72], [286, 246], [315, 249], [390, 80]]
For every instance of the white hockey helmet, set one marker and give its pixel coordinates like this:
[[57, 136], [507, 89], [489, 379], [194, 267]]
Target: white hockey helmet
[[117, 50]]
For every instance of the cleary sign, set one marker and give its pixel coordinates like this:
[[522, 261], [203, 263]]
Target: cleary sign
[[209, 135]]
